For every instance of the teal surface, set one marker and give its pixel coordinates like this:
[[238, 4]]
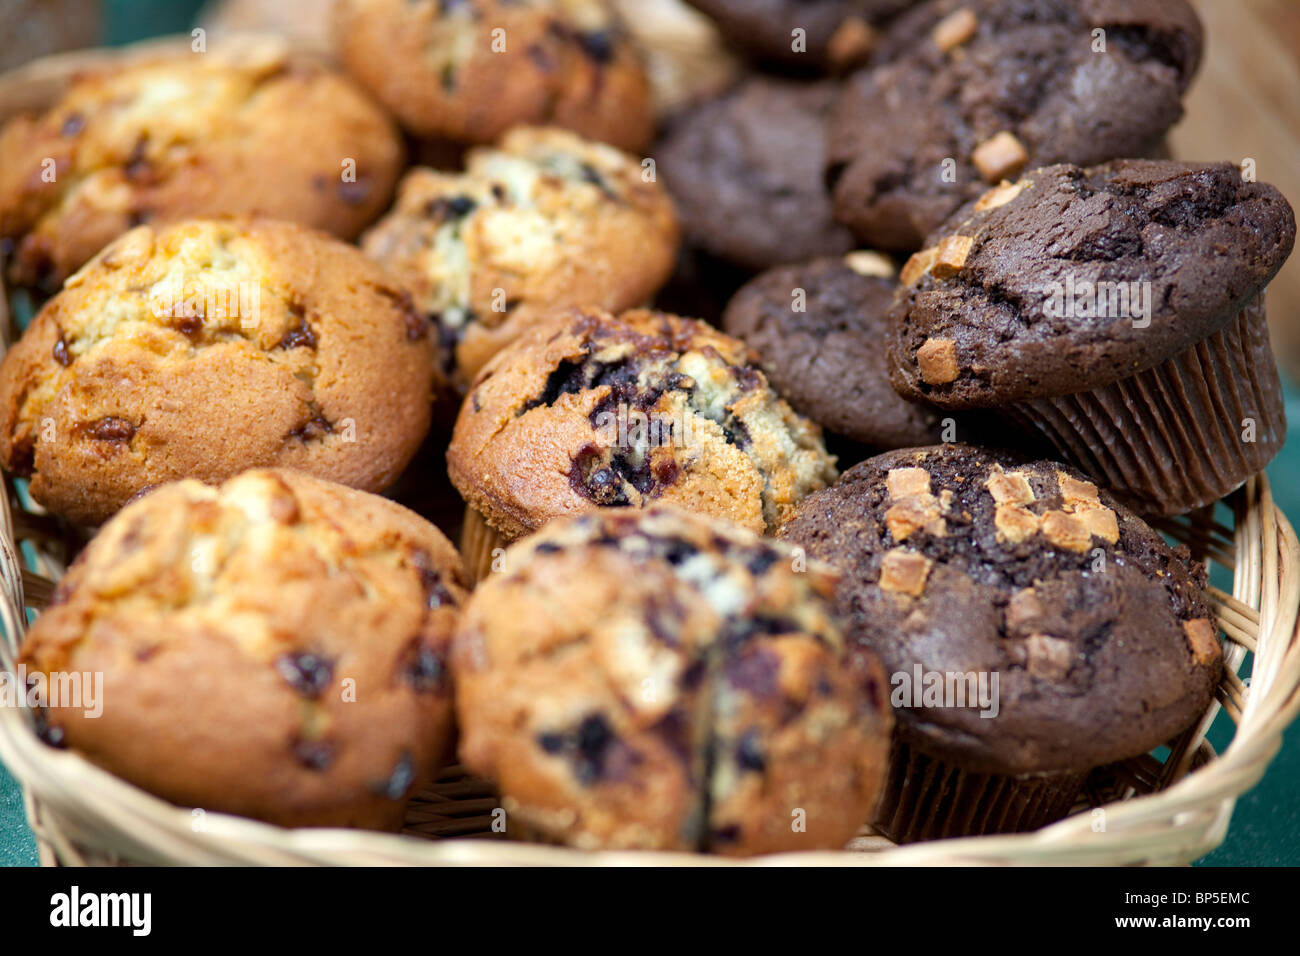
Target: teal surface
[[1265, 829]]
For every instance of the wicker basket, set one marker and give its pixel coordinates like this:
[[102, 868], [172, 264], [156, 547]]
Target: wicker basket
[[1154, 811]]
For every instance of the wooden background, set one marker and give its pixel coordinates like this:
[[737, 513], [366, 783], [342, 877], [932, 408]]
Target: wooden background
[[1246, 103]]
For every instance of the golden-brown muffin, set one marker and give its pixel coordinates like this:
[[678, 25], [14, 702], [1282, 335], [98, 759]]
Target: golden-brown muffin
[[468, 70], [207, 348], [546, 219], [590, 411], [662, 680], [273, 648], [245, 129]]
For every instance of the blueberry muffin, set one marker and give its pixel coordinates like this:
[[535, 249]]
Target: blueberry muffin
[[966, 93], [592, 411], [746, 172], [167, 137], [660, 680], [836, 33], [207, 348], [818, 328], [273, 648], [1065, 633], [468, 70], [544, 220], [1118, 312]]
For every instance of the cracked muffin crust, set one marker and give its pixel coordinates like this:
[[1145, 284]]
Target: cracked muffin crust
[[838, 34], [545, 219], [592, 411], [189, 135], [207, 348], [961, 560], [746, 172], [965, 93], [468, 70], [1118, 312], [274, 648], [662, 680], [825, 356]]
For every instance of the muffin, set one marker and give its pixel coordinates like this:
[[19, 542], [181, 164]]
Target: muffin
[[1064, 633], [592, 411], [685, 59], [818, 328], [836, 33], [274, 648], [1118, 312], [469, 70], [666, 681], [209, 347], [169, 137], [746, 172], [965, 93], [544, 220]]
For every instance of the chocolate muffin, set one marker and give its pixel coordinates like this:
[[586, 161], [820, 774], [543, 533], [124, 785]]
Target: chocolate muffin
[[274, 648], [836, 33], [592, 411], [468, 70], [544, 220], [168, 137], [207, 348], [746, 171], [966, 93], [660, 680], [819, 328], [1064, 632], [1117, 311]]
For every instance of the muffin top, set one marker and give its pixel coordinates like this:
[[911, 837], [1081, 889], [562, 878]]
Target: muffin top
[[191, 134], [962, 561], [1069, 279], [230, 624], [590, 411], [662, 680], [207, 348], [836, 33], [468, 70], [746, 171], [965, 93], [818, 328], [545, 219]]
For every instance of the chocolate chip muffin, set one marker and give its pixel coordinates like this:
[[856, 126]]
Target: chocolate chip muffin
[[978, 566], [544, 220], [468, 70], [167, 137], [207, 348], [1118, 312], [660, 680], [746, 171], [966, 93], [818, 328], [836, 33], [592, 411], [274, 648]]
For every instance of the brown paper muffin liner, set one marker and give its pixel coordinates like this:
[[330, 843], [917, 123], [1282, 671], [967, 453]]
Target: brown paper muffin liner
[[478, 540], [1175, 437], [926, 798]]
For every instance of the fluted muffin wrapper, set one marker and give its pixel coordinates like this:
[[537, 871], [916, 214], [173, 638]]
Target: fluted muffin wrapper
[[1171, 439], [478, 540], [929, 798]]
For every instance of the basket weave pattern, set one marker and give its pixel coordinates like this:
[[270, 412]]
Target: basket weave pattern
[[1153, 812]]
